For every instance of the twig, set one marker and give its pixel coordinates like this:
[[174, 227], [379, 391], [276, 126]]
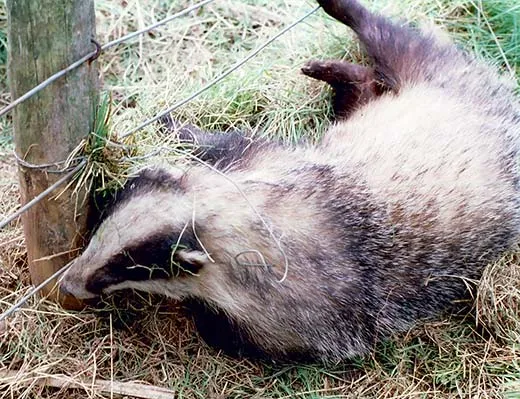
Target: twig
[[54, 256], [131, 389]]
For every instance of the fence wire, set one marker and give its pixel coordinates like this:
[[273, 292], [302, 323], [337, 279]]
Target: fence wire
[[70, 174], [221, 77], [33, 291], [42, 195], [95, 53], [90, 56]]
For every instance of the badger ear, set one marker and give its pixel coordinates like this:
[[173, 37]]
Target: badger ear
[[197, 259]]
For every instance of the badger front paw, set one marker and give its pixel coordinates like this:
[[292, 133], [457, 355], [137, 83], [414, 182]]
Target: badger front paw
[[184, 131]]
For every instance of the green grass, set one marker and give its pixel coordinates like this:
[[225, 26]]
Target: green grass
[[491, 29], [138, 340]]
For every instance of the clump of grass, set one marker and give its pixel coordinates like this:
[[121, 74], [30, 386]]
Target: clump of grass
[[498, 301], [106, 159], [149, 339]]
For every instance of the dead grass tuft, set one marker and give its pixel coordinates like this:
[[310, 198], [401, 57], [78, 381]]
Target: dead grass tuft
[[498, 301]]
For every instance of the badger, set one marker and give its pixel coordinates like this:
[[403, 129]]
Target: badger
[[318, 252]]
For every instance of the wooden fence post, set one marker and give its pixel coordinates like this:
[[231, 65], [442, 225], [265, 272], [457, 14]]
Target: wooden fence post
[[44, 37]]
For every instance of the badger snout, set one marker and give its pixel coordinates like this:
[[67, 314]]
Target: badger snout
[[64, 290], [73, 284]]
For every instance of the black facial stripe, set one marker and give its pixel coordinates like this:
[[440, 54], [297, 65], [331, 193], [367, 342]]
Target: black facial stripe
[[155, 258], [148, 180], [101, 279]]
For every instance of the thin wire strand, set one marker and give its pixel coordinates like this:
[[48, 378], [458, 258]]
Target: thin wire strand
[[33, 292], [156, 25], [220, 77], [94, 54], [47, 166], [257, 213], [42, 195], [48, 81]]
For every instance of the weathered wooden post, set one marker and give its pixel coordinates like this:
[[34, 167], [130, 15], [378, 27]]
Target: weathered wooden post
[[44, 37]]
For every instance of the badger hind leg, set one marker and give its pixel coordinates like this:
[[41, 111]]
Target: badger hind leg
[[401, 54], [354, 85]]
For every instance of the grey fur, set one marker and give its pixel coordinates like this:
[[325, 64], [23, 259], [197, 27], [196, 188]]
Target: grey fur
[[412, 192]]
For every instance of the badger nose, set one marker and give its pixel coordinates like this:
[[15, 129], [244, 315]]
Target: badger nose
[[64, 290]]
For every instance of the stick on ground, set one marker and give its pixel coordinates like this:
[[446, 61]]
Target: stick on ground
[[131, 389]]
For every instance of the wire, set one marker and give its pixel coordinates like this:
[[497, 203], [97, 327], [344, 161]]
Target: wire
[[42, 195], [49, 80], [219, 78], [94, 54], [51, 167], [33, 292], [156, 25]]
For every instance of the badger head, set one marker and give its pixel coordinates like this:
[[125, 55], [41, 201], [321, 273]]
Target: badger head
[[148, 242]]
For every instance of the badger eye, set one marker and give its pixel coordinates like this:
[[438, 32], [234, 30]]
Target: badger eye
[[157, 257]]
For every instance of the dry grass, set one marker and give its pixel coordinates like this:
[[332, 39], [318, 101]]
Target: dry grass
[[148, 339]]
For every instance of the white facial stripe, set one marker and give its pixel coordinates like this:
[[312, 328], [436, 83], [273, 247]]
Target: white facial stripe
[[173, 288]]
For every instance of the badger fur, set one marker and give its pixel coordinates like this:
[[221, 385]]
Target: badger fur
[[317, 253]]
